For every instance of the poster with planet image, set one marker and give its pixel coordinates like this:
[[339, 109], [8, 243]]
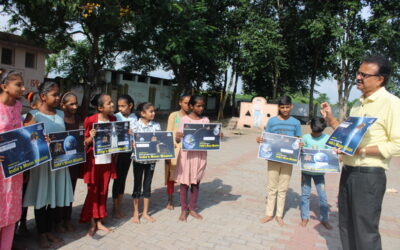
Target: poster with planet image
[[319, 161], [201, 136], [23, 149], [348, 135], [279, 148], [67, 149], [150, 146], [112, 137]]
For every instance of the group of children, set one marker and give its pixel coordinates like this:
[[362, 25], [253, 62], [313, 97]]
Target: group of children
[[51, 193], [279, 174]]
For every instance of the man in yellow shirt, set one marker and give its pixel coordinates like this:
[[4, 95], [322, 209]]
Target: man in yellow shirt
[[363, 178]]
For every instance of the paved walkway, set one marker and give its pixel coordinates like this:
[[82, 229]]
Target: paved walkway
[[232, 200]]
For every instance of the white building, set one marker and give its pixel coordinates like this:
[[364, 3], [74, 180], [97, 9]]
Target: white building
[[17, 53], [141, 88]]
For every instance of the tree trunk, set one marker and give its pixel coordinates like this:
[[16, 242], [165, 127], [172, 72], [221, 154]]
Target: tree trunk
[[234, 96], [275, 83], [221, 100], [225, 97], [311, 98]]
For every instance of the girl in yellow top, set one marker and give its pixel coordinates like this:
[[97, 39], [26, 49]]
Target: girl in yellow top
[[173, 125]]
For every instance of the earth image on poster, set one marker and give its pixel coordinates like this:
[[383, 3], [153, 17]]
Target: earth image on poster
[[296, 145], [189, 141], [266, 151], [216, 130], [70, 143], [321, 158]]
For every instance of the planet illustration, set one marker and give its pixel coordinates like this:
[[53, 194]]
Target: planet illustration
[[189, 141], [296, 145], [70, 143], [321, 158], [265, 151], [216, 130]]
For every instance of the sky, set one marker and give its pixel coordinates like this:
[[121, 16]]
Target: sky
[[327, 86]]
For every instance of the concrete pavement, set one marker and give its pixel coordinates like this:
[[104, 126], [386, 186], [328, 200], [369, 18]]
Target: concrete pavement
[[232, 200]]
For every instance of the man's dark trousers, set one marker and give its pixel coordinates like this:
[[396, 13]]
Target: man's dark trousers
[[361, 193]]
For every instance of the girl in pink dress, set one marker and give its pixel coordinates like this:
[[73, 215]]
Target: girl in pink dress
[[190, 164], [11, 90]]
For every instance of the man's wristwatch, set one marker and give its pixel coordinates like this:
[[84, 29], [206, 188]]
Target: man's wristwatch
[[363, 152]]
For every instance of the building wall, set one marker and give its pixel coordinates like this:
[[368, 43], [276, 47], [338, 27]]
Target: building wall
[[140, 91], [32, 76]]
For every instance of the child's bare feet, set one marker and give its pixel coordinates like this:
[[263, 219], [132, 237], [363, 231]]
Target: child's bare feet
[[304, 222], [118, 214], [60, 228], [136, 219], [280, 221], [69, 226], [183, 216], [92, 231], [195, 215], [52, 238], [101, 227], [266, 219], [148, 218], [170, 205], [326, 225], [43, 241]]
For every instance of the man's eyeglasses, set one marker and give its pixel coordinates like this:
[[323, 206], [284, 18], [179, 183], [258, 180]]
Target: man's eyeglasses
[[365, 75]]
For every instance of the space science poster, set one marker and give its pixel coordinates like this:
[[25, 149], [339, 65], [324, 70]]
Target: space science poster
[[348, 135], [67, 149], [201, 136], [23, 149], [112, 137], [157, 145], [279, 148], [319, 161]]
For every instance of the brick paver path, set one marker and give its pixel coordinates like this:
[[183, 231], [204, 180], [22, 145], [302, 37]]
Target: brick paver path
[[232, 200]]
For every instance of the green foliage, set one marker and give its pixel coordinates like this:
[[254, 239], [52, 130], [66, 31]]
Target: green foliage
[[275, 47], [184, 37]]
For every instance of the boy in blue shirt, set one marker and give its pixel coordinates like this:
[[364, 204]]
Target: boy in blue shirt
[[279, 173], [315, 140]]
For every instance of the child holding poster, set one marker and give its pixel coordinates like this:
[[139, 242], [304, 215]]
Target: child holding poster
[[126, 113], [97, 170], [191, 165], [69, 104], [315, 140], [170, 165], [34, 102], [143, 170], [279, 174], [48, 189], [11, 91]]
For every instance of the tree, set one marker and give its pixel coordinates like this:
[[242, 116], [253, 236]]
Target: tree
[[102, 25], [347, 48], [384, 34], [184, 37], [315, 33], [263, 51]]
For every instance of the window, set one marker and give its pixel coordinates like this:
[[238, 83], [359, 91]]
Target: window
[[127, 77], [6, 56], [30, 60], [154, 80], [142, 79]]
